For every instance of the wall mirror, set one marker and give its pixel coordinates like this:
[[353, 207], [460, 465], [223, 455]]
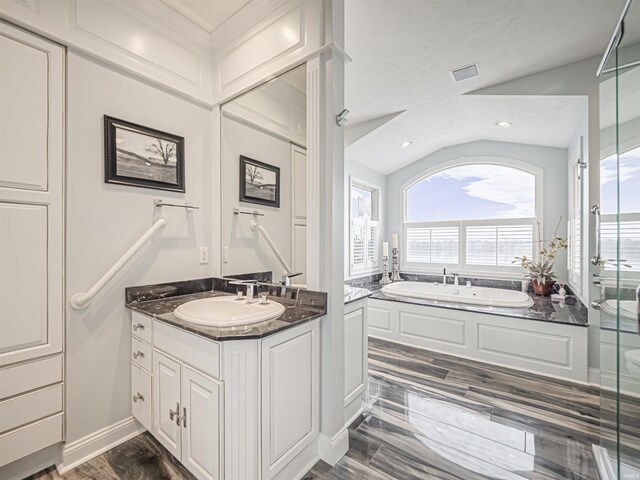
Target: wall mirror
[[264, 182]]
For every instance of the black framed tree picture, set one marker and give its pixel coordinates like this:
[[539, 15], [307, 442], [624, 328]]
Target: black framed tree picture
[[143, 157], [259, 182]]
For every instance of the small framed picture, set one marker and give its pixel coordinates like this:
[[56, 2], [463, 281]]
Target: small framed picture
[[142, 157], [259, 182]]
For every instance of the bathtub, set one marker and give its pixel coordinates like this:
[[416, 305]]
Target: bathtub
[[494, 297]]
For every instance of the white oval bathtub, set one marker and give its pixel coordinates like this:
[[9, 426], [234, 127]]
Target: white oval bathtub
[[494, 297]]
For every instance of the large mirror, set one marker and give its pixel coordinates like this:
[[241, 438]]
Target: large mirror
[[264, 220]]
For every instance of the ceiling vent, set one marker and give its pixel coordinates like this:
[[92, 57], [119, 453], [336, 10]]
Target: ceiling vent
[[464, 73]]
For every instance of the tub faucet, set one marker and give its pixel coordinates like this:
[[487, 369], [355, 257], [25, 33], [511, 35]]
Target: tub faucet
[[444, 276], [455, 279]]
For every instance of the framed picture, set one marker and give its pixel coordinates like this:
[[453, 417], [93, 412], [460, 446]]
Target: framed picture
[[142, 157], [259, 182]]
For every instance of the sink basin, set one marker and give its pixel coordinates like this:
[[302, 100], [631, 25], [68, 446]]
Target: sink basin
[[227, 311]]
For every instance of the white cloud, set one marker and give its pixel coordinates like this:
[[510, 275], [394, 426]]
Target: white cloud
[[497, 183]]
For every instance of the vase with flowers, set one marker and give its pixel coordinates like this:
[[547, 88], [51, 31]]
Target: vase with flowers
[[540, 270]]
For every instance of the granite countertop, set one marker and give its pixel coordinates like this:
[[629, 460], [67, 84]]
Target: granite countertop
[[160, 300], [570, 312], [357, 293]]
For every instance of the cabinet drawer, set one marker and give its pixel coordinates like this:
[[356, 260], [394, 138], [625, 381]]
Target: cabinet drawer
[[28, 376], [191, 349], [29, 439], [29, 407], [141, 353], [142, 326], [141, 396]]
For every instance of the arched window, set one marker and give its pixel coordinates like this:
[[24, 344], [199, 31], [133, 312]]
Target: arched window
[[475, 215]]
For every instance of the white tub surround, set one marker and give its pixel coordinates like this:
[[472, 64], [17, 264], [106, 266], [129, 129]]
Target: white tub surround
[[542, 347], [494, 297]]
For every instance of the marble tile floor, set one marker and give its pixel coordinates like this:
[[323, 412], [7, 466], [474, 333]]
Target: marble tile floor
[[433, 416]]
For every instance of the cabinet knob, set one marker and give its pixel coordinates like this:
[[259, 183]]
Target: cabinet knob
[[137, 326], [138, 354], [137, 397]]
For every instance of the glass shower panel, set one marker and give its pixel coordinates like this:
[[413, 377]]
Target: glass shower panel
[[619, 455], [627, 263]]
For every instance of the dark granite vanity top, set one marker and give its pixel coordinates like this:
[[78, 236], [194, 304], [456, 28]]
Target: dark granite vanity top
[[159, 301], [357, 293], [570, 312]]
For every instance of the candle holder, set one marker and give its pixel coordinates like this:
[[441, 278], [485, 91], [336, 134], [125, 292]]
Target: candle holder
[[385, 271], [395, 267]]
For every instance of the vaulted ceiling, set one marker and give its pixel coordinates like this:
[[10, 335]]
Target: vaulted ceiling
[[403, 52]]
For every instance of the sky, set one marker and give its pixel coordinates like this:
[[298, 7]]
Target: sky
[[472, 192], [629, 175]]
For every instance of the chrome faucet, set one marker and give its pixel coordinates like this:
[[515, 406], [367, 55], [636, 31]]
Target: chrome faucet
[[444, 276], [250, 284], [286, 279], [455, 279]]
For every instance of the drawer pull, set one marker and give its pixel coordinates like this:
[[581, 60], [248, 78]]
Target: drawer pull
[[183, 418], [137, 397], [137, 326], [174, 414], [138, 354]]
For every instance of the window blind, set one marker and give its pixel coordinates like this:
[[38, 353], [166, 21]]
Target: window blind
[[498, 245], [432, 244]]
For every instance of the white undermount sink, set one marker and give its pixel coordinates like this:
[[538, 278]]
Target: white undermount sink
[[227, 311]]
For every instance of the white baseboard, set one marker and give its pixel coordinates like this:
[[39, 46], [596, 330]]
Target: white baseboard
[[332, 449], [82, 450], [594, 376]]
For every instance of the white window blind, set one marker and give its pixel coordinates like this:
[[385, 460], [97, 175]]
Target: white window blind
[[364, 244], [629, 244], [498, 245], [432, 244]]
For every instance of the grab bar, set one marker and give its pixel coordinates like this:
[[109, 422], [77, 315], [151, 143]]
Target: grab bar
[[597, 258], [256, 226], [82, 300]]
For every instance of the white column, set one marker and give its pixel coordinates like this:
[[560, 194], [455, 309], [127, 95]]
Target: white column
[[325, 143]]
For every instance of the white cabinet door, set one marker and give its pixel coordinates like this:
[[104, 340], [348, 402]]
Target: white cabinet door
[[31, 196], [355, 354], [166, 402], [201, 424], [290, 370], [141, 396]]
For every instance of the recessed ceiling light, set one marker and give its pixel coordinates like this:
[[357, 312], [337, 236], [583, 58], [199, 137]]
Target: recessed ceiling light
[[406, 144], [503, 124]]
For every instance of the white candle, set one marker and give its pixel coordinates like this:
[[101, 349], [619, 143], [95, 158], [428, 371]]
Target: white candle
[[394, 240], [385, 249]]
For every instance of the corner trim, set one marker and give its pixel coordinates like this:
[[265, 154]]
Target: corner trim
[[82, 450], [603, 463], [332, 449]]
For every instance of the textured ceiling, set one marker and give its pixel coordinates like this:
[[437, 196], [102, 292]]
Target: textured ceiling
[[404, 50]]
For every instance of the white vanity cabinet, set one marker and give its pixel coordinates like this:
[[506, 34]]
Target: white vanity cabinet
[[233, 410], [186, 415], [355, 357]]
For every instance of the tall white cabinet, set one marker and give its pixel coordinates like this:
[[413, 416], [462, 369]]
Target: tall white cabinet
[[31, 242]]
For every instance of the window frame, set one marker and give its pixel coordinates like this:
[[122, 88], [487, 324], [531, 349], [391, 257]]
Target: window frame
[[375, 221], [461, 267]]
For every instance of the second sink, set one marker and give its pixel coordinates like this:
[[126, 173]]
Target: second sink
[[227, 311]]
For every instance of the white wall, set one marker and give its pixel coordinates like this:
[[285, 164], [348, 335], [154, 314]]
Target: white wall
[[104, 220], [357, 171], [553, 162], [246, 251]]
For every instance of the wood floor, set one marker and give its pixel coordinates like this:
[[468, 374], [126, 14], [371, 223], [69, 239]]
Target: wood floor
[[433, 416]]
